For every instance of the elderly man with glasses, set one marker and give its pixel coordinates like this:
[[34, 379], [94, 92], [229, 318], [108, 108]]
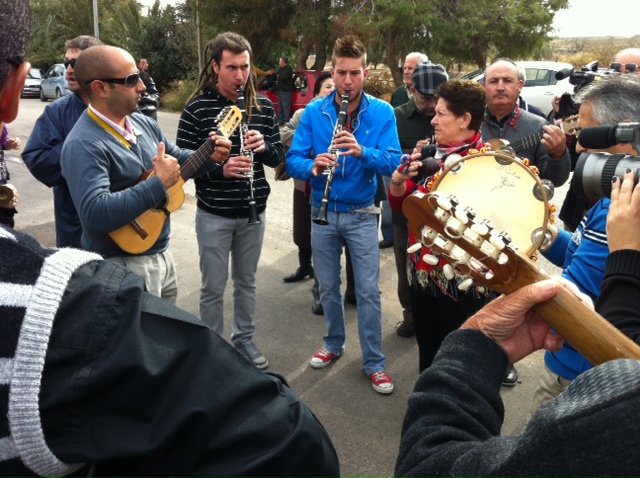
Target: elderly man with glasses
[[106, 154], [626, 61]]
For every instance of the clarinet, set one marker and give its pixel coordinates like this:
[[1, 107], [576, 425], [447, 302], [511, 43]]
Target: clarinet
[[253, 212], [321, 217]]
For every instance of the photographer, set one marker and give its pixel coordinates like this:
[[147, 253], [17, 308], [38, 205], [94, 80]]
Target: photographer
[[583, 254]]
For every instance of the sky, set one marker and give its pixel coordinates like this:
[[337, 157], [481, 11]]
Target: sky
[[594, 18], [584, 18]]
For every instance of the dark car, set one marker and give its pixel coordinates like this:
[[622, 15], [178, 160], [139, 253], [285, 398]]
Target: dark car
[[303, 81], [32, 83]]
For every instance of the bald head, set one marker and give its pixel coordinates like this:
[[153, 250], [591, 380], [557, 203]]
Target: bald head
[[101, 62], [626, 57]]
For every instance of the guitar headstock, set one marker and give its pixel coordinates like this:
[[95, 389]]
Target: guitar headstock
[[228, 121], [570, 125], [473, 248]]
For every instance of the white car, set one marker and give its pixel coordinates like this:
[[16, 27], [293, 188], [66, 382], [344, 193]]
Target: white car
[[541, 85]]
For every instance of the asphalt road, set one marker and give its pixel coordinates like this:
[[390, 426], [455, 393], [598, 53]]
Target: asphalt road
[[364, 425]]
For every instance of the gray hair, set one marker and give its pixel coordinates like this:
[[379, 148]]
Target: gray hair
[[15, 21], [421, 57], [614, 100], [82, 43]]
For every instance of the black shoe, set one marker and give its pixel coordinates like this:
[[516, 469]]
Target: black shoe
[[405, 329], [305, 269], [510, 376], [385, 243], [316, 307], [300, 274]]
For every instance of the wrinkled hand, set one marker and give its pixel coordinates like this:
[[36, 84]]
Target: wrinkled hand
[[510, 323], [222, 150], [166, 167], [347, 144], [13, 143], [422, 143], [254, 141], [237, 167], [554, 141], [623, 221]]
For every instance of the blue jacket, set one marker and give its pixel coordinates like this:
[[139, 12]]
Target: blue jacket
[[354, 183], [585, 258], [42, 157], [103, 178]]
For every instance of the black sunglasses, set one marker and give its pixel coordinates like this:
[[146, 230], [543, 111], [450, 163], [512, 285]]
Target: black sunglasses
[[130, 81], [71, 62], [629, 67]]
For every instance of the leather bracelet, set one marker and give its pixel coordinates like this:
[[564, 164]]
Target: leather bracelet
[[395, 183]]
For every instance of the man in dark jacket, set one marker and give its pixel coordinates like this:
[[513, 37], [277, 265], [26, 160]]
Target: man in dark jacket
[[42, 152], [150, 99], [285, 91]]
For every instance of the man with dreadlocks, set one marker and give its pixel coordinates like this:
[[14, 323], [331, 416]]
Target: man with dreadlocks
[[223, 225]]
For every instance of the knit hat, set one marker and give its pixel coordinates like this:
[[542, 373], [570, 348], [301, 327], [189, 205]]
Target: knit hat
[[427, 77]]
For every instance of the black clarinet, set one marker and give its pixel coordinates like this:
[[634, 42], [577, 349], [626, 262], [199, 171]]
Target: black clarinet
[[321, 217], [253, 212]]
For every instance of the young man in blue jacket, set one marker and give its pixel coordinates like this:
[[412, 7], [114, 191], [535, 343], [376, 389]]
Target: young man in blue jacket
[[368, 145]]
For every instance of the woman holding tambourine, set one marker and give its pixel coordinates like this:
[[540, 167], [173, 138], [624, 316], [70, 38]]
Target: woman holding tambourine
[[439, 306]]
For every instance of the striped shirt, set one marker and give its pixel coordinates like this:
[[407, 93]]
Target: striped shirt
[[229, 197]]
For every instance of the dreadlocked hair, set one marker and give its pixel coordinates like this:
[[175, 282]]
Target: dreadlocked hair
[[236, 44]]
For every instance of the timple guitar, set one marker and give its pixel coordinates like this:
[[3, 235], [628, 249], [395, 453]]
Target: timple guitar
[[569, 126], [478, 253], [143, 232]]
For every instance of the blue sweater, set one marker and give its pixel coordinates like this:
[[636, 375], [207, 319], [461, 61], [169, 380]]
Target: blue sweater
[[103, 175], [585, 258], [354, 183], [42, 157]]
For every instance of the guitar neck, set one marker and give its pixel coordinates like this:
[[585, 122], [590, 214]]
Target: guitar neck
[[201, 161], [584, 328], [527, 142]]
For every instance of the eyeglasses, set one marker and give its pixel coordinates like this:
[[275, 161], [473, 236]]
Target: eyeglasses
[[629, 67], [71, 62], [130, 81]]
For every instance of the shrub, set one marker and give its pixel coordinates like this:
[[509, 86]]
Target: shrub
[[176, 96]]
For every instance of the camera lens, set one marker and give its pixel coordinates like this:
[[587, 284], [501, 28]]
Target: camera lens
[[594, 171]]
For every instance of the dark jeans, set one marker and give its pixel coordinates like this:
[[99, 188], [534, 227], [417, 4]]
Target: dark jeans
[[284, 106]]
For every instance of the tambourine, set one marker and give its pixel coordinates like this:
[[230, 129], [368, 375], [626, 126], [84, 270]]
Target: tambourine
[[6, 194], [502, 189]]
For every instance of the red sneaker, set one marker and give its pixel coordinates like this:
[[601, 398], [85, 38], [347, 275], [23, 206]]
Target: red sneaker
[[322, 358], [381, 382]]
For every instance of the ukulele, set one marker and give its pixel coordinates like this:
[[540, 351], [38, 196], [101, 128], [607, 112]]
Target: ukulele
[[569, 126], [143, 232], [478, 253]]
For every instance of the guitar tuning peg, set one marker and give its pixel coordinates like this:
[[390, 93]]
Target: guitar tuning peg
[[505, 237], [471, 214], [414, 248], [444, 202], [462, 216], [430, 259], [465, 284], [480, 228], [544, 190], [448, 271]]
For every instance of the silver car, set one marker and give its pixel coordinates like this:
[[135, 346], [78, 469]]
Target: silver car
[[54, 84], [32, 83]]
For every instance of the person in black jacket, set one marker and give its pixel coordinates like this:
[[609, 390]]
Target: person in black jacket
[[150, 99], [223, 224]]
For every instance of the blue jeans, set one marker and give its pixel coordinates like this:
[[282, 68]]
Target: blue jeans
[[360, 232], [218, 238]]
